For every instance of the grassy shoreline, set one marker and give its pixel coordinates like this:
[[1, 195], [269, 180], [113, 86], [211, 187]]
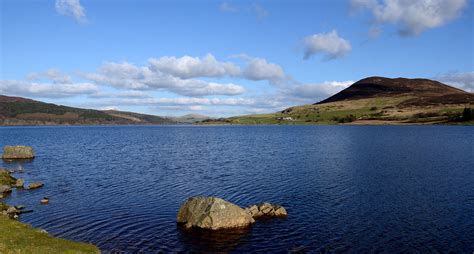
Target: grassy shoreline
[[17, 237]]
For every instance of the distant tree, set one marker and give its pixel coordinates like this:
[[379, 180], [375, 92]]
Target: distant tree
[[467, 114]]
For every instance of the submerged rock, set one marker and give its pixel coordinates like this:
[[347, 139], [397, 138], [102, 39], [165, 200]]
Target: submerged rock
[[18, 152], [35, 185], [212, 213], [266, 210]]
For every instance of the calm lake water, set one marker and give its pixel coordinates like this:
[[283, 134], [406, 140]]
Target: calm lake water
[[347, 188]]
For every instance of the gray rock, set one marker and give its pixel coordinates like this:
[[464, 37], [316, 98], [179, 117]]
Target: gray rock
[[280, 212], [18, 152], [212, 213], [35, 185], [20, 183], [266, 210], [5, 189], [12, 210]]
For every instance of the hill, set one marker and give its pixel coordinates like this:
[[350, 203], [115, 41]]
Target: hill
[[424, 92], [22, 111], [376, 100]]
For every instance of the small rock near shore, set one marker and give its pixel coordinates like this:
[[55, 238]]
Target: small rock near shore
[[6, 178], [20, 183], [44, 201], [18, 152], [35, 185], [10, 211]]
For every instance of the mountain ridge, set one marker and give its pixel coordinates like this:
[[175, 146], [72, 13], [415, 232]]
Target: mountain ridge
[[381, 86], [24, 111]]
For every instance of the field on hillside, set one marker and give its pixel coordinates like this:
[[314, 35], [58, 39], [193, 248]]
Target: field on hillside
[[382, 110]]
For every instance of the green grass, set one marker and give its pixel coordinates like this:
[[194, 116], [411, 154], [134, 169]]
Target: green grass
[[16, 237], [385, 110]]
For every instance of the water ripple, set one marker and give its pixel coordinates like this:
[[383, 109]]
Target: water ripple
[[348, 189]]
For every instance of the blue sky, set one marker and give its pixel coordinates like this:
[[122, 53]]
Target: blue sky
[[223, 58]]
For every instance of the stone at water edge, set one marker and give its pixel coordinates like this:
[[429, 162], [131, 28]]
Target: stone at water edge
[[18, 152], [7, 210], [12, 210], [5, 189], [35, 185], [212, 213], [6, 178], [20, 183]]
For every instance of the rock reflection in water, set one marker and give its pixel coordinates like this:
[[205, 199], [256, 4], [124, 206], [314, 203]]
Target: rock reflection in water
[[202, 240]]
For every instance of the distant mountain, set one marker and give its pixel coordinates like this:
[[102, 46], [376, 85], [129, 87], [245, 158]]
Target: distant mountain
[[189, 118], [22, 111], [377, 100]]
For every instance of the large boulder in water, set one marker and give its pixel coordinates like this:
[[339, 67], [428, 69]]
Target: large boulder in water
[[18, 152], [212, 213]]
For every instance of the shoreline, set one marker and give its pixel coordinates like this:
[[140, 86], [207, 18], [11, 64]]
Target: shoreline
[[20, 237], [358, 123]]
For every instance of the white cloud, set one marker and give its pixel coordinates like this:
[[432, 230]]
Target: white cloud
[[128, 76], [227, 7], [46, 90], [260, 69], [319, 91], [177, 75], [121, 94], [462, 80], [195, 108], [190, 67], [412, 17], [52, 74], [329, 44], [71, 8], [255, 9]]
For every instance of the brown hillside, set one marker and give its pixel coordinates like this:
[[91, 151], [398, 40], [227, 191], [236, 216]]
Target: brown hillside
[[424, 91]]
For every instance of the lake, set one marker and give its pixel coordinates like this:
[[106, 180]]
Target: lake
[[346, 188]]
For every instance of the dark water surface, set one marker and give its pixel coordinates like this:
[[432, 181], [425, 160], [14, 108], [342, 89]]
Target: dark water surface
[[346, 188]]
